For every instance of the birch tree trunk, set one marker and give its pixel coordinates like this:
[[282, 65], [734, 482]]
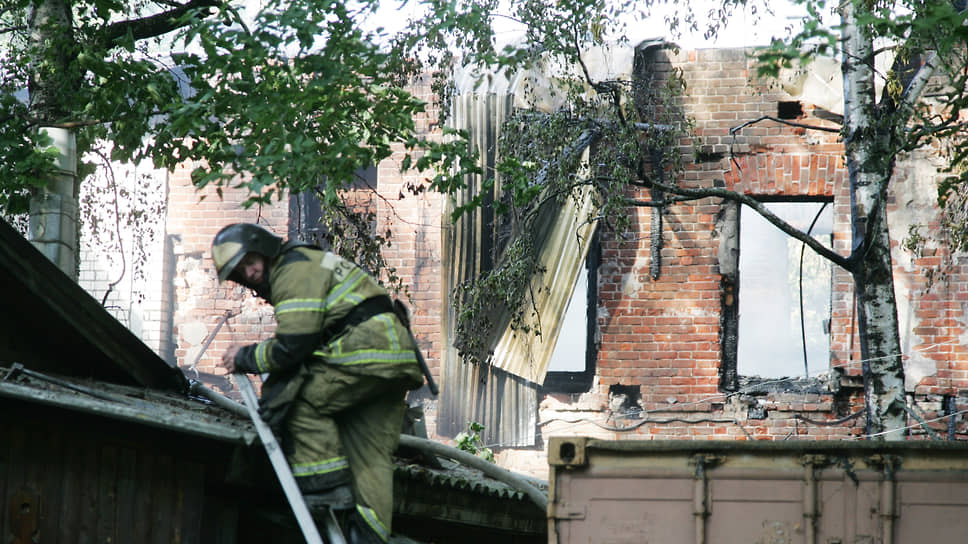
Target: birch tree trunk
[[870, 164]]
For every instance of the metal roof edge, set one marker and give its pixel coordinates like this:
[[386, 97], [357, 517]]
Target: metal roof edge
[[158, 415]]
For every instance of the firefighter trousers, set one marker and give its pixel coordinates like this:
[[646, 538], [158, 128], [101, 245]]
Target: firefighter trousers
[[343, 429]]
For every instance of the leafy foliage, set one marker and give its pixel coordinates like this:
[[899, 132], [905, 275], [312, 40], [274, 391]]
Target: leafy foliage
[[350, 230], [632, 129], [916, 35], [497, 297], [303, 99], [470, 441]]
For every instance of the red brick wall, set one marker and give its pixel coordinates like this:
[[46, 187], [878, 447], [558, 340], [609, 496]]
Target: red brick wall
[[664, 335], [413, 214], [194, 217]]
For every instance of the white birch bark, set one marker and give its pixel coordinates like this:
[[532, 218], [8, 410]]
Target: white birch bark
[[869, 163]]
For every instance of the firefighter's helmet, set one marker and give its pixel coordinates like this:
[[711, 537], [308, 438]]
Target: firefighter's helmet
[[234, 241]]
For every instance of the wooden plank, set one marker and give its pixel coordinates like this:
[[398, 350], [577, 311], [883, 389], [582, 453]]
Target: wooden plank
[[190, 502], [23, 508], [88, 493], [35, 471], [51, 450], [68, 513], [127, 493], [145, 490], [162, 500], [107, 493], [7, 431], [226, 523], [15, 480]]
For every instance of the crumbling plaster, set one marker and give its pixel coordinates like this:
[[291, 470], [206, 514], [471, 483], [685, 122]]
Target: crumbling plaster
[[914, 190], [633, 281]]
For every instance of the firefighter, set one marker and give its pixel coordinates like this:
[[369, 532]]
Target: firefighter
[[339, 365]]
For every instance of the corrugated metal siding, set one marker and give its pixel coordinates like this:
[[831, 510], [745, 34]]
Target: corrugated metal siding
[[505, 404], [563, 243]]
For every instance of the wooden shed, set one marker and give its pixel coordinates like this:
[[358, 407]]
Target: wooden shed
[[101, 440]]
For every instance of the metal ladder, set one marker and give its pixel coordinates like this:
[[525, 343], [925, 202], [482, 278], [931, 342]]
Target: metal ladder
[[306, 523]]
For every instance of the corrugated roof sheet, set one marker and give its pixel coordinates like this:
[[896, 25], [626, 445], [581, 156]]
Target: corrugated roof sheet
[[562, 253], [456, 476]]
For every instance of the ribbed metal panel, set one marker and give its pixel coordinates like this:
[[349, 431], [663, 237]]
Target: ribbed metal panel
[[505, 404], [564, 236]]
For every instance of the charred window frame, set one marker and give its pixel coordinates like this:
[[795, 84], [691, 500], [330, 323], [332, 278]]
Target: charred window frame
[[305, 211], [580, 380], [805, 213]]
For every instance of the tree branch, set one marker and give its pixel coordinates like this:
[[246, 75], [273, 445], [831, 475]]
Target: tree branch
[[734, 130], [653, 126], [599, 86], [155, 25], [38, 122], [35, 121], [759, 208], [652, 204], [914, 87]]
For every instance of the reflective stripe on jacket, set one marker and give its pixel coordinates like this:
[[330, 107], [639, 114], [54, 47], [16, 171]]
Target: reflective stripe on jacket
[[312, 291]]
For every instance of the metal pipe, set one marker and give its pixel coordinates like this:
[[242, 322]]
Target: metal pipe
[[888, 496], [200, 389], [950, 408], [700, 499], [811, 513], [208, 340], [538, 497], [655, 260]]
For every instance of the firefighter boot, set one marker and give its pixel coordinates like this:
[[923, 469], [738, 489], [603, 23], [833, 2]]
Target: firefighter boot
[[337, 498], [358, 530]]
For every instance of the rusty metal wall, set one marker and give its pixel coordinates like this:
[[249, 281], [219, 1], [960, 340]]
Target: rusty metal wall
[[777, 493], [505, 404]]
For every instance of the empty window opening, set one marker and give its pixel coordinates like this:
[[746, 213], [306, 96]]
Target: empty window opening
[[789, 110], [777, 277], [305, 208], [569, 353], [572, 364]]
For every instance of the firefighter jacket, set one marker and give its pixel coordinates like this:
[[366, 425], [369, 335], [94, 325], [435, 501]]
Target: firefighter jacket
[[318, 297]]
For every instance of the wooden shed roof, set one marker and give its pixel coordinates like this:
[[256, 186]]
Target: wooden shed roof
[[142, 406], [51, 324]]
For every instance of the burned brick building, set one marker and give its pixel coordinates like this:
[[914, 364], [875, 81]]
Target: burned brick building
[[700, 322]]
